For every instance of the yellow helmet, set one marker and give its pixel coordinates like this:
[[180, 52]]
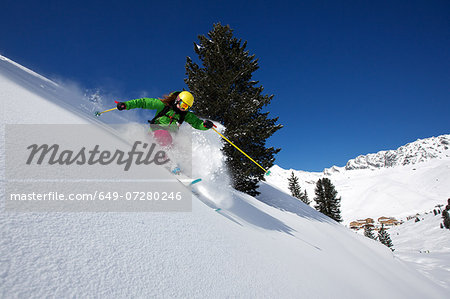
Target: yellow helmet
[[187, 98]]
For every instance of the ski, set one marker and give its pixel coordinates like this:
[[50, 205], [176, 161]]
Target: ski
[[188, 181]]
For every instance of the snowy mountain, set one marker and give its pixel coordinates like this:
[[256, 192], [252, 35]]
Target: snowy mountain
[[273, 246], [396, 183], [422, 150]]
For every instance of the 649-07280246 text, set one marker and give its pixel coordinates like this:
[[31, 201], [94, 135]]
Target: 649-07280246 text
[[98, 195]]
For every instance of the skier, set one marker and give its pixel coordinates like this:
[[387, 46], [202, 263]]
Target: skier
[[171, 112]]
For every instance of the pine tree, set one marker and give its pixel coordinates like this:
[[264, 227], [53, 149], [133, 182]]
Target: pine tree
[[446, 215], [296, 190], [304, 197], [326, 199], [225, 92], [385, 238], [294, 186], [368, 232]]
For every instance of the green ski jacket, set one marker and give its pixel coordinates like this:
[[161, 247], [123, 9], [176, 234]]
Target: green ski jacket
[[168, 121]]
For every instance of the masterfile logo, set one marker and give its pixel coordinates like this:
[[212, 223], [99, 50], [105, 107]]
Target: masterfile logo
[[89, 169], [52, 155]]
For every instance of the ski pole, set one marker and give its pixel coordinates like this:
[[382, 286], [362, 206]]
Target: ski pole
[[266, 171], [97, 113]]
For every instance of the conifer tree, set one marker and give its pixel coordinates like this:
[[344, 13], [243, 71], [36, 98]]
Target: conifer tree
[[225, 92], [446, 215], [304, 197], [326, 199], [385, 238], [296, 190], [294, 186], [368, 232]]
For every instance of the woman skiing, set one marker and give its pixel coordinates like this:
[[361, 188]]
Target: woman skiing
[[171, 112]]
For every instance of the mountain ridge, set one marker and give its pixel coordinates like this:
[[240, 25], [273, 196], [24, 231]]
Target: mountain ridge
[[421, 150]]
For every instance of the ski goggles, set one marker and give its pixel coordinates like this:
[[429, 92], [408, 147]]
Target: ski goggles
[[183, 105]]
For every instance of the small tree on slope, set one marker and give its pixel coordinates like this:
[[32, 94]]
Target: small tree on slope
[[446, 215], [294, 186], [385, 238], [368, 232], [305, 198], [296, 190], [327, 201]]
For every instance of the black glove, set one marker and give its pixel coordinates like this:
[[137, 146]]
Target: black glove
[[208, 124], [121, 106]]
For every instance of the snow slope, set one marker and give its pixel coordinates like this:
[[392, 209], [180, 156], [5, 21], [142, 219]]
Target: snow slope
[[411, 179], [425, 246], [273, 246]]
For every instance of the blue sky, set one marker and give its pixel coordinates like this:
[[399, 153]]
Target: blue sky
[[349, 77]]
